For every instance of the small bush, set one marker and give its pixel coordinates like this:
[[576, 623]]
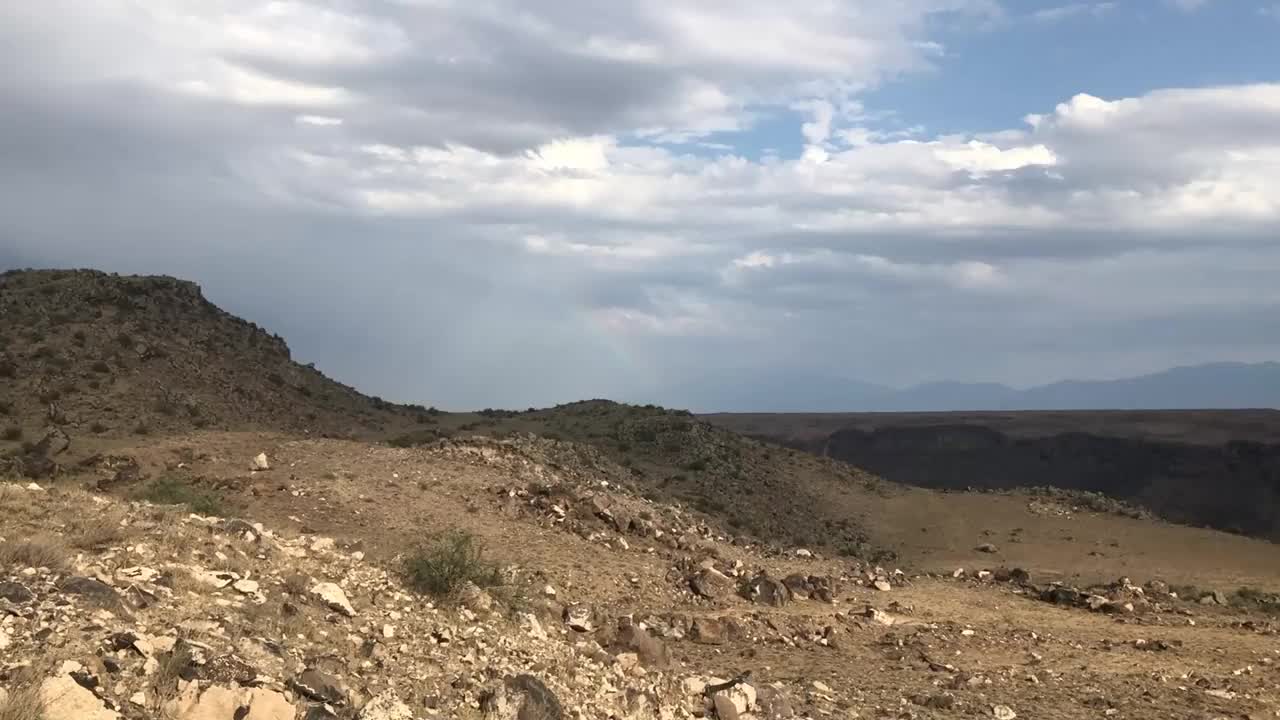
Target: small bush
[[97, 428], [6, 407], [125, 340], [101, 366], [444, 567], [12, 433], [275, 378], [170, 490], [8, 369], [78, 337], [142, 429]]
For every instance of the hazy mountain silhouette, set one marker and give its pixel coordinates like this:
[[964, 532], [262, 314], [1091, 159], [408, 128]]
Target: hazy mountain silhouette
[[1226, 385]]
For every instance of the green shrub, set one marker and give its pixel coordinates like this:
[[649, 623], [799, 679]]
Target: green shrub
[[442, 568], [171, 490]]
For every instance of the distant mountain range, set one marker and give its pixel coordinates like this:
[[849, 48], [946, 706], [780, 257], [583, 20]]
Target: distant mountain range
[[1211, 386]]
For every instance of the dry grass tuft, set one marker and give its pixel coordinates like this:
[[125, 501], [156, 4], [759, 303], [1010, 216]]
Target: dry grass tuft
[[37, 552], [23, 700], [164, 683], [97, 532]]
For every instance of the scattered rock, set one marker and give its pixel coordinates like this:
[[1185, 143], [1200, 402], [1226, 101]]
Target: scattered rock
[[248, 587], [986, 548], [766, 590], [54, 442], [653, 652], [260, 463], [386, 706], [227, 669], [578, 617], [711, 584], [266, 704], [332, 597], [475, 599], [708, 631], [93, 589], [522, 697], [65, 699], [16, 592], [1003, 712], [315, 685], [734, 702]]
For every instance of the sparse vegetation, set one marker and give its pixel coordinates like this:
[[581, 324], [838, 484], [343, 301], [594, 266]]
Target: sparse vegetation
[[442, 568], [13, 433], [37, 552], [100, 367], [97, 428], [172, 490], [23, 701], [96, 532], [142, 429]]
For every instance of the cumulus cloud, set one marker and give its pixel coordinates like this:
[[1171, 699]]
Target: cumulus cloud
[[495, 203]]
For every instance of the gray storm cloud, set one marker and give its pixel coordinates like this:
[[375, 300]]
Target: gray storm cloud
[[468, 204]]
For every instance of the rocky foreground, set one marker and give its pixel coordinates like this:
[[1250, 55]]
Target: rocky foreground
[[607, 605]]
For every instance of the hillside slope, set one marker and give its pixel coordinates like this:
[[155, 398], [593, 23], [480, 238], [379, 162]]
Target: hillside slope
[[1208, 468], [115, 355]]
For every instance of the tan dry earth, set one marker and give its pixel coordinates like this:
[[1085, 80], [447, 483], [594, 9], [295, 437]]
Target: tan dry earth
[[955, 647]]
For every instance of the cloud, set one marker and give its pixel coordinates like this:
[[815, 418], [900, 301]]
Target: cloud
[[1188, 5], [482, 203], [1072, 10]]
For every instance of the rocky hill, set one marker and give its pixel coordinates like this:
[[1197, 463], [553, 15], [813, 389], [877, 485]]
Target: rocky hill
[[109, 355], [758, 489]]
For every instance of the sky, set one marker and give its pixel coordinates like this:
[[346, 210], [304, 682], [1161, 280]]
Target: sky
[[507, 203]]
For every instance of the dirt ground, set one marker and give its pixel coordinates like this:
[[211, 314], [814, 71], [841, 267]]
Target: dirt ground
[[957, 648]]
